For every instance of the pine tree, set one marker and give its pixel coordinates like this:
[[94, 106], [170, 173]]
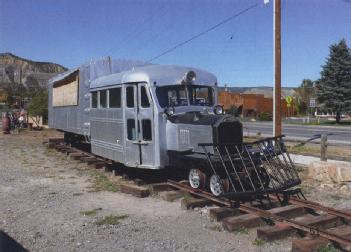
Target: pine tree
[[334, 85]]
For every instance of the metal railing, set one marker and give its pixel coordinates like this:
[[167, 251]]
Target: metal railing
[[259, 167]]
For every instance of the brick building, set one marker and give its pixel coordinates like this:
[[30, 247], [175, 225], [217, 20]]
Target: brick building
[[251, 104]]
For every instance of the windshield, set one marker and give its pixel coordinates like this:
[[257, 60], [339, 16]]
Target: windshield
[[176, 95]]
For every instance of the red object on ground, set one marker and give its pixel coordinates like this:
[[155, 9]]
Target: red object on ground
[[6, 124]]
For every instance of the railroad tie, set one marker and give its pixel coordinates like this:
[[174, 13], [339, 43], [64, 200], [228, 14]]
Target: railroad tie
[[251, 220], [281, 230], [219, 213], [100, 164], [314, 244], [160, 187], [137, 191], [77, 155], [172, 195], [88, 160], [191, 203]]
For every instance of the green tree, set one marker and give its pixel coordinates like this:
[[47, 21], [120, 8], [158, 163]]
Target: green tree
[[39, 105], [334, 85], [233, 110], [303, 94]]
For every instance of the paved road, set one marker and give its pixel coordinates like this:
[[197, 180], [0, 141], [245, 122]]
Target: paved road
[[341, 135]]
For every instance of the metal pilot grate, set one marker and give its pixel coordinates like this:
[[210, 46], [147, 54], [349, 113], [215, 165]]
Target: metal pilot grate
[[247, 169]]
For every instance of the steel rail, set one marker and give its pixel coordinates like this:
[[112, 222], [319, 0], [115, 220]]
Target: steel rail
[[264, 214], [317, 206], [76, 150]]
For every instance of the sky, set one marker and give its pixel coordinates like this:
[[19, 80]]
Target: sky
[[239, 53]]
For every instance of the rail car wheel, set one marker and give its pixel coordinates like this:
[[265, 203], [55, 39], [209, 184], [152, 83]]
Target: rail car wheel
[[217, 186], [226, 185], [197, 179]]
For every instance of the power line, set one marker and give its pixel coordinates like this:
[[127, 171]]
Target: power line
[[138, 30], [204, 32]]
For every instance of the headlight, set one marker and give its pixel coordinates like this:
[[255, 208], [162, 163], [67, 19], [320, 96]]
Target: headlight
[[218, 110], [170, 111]]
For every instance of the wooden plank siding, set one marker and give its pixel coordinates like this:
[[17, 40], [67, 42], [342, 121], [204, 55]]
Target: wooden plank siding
[[65, 92]]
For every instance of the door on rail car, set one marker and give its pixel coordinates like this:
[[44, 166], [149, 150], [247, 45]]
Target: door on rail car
[[139, 128]]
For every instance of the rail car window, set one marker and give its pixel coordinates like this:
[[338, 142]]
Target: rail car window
[[147, 132], [171, 96], [130, 97], [145, 103], [94, 99], [103, 99], [115, 98], [176, 95], [131, 131], [201, 96]]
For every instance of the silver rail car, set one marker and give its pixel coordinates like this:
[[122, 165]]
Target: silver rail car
[[149, 116]]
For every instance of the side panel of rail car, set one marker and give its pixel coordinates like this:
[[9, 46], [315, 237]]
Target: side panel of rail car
[[69, 94], [122, 125], [69, 102], [107, 123]]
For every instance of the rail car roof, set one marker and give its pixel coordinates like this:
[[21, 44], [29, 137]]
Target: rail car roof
[[160, 75], [63, 75], [97, 68]]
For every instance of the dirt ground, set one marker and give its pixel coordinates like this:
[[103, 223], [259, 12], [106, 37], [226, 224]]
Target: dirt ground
[[51, 203]]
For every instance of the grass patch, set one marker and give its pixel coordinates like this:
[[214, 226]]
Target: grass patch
[[258, 242], [315, 150], [52, 193], [303, 149], [243, 230], [111, 219], [187, 197], [333, 123], [101, 182], [77, 194], [216, 227], [90, 212], [327, 248]]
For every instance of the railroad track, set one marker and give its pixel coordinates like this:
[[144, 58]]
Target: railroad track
[[320, 224], [278, 219]]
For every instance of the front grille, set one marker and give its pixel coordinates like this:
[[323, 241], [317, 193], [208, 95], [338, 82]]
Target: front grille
[[228, 132]]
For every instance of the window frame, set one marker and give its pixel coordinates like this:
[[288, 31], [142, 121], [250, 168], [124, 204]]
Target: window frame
[[97, 99], [142, 130], [147, 93], [120, 98], [126, 98], [135, 128]]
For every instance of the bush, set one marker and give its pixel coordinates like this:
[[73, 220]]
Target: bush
[[264, 116], [39, 105], [233, 110]]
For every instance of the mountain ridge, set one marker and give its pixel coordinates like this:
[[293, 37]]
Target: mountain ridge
[[15, 70]]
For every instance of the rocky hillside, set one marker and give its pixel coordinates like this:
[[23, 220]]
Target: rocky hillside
[[266, 91], [17, 71]]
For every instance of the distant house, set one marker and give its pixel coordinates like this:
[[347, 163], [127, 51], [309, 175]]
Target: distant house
[[251, 104]]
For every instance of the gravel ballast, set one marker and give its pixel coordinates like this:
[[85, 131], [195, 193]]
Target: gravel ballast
[[47, 204]]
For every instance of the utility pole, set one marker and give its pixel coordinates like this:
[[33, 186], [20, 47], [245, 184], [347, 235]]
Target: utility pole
[[277, 109]]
